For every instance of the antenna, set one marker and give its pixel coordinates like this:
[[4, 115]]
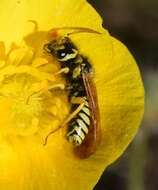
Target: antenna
[[78, 30]]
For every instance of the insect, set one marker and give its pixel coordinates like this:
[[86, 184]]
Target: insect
[[83, 121]]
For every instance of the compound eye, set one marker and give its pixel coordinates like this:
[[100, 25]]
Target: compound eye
[[61, 54]]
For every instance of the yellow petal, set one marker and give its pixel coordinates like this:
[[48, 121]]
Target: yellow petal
[[15, 16], [13, 19]]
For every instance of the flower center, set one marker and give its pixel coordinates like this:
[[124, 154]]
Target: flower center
[[32, 98]]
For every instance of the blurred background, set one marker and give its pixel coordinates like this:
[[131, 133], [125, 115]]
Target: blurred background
[[135, 23]]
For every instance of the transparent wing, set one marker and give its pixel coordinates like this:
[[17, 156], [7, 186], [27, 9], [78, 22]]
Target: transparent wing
[[93, 137]]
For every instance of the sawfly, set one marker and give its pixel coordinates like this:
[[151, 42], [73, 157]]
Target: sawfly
[[83, 121]]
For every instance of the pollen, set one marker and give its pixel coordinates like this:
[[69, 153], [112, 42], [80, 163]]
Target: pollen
[[30, 93]]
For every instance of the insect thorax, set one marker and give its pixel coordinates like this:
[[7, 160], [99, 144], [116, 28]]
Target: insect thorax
[[67, 55]]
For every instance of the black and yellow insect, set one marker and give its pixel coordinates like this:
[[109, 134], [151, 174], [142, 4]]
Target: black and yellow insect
[[83, 122]]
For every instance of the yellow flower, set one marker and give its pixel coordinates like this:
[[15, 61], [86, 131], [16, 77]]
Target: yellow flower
[[30, 107]]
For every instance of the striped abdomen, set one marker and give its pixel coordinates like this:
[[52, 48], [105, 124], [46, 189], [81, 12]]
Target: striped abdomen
[[79, 126]]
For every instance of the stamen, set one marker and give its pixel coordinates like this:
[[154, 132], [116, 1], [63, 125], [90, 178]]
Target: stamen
[[35, 25], [11, 70], [31, 92], [39, 62]]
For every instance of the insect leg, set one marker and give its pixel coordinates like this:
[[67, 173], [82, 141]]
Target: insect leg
[[74, 100], [63, 70], [77, 100]]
